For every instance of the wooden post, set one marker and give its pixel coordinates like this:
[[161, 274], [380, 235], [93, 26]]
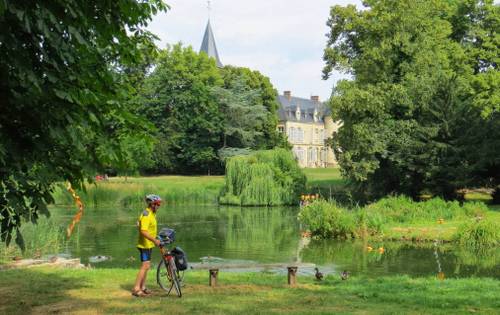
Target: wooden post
[[292, 275], [212, 280]]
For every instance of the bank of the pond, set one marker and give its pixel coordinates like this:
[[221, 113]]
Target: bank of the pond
[[106, 291], [130, 192], [398, 218], [200, 190]]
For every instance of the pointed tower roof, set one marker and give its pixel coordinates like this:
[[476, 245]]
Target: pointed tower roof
[[208, 45]]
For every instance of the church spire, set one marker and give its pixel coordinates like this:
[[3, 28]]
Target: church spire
[[208, 44]]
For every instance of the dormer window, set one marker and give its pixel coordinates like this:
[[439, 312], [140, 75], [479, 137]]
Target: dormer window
[[297, 113]]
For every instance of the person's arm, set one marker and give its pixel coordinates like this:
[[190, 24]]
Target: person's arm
[[149, 237]]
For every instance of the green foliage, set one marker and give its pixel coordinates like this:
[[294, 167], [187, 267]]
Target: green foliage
[[421, 111], [62, 95], [263, 178], [177, 98], [243, 115], [267, 136], [328, 220], [402, 209], [479, 234]]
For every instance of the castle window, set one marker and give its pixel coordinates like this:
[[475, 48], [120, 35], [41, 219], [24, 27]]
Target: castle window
[[300, 135]]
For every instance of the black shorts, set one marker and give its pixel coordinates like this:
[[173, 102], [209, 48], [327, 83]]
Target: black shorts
[[145, 253]]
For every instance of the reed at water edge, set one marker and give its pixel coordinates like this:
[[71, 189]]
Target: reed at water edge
[[201, 190], [43, 238], [328, 219]]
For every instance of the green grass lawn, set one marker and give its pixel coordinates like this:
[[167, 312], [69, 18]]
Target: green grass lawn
[[324, 177], [430, 231], [107, 291]]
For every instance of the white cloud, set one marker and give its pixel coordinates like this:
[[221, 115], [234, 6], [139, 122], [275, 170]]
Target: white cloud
[[283, 39]]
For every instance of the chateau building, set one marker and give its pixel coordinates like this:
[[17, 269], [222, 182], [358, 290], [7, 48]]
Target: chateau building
[[307, 123]]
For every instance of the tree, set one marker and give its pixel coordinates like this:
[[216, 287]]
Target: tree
[[243, 116], [61, 95], [414, 104], [177, 98], [268, 136]]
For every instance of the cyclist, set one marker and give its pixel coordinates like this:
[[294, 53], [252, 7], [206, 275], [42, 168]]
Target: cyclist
[[147, 241]]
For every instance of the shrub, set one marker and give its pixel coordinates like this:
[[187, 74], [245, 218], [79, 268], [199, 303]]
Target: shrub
[[404, 210], [327, 220], [264, 178], [479, 235]]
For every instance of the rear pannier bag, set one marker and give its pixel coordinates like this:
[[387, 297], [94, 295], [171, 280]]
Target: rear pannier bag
[[180, 258]]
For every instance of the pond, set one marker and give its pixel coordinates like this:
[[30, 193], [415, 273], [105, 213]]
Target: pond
[[259, 239]]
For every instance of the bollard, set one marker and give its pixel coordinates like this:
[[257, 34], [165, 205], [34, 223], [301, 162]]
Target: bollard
[[292, 275], [212, 280]]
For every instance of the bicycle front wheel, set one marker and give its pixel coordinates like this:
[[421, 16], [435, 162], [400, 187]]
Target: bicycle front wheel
[[163, 276], [166, 276], [174, 276]]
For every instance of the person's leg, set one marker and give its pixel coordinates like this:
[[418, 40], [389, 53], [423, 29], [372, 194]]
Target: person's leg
[[147, 258], [141, 276], [143, 282]]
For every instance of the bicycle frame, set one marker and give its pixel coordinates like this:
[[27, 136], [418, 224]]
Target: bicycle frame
[[165, 254]]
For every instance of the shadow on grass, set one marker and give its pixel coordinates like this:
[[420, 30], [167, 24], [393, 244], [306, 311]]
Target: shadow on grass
[[26, 291]]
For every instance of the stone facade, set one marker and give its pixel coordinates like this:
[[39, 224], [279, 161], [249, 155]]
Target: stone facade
[[307, 124]]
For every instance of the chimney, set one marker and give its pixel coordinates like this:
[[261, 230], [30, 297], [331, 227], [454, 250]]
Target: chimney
[[288, 94], [315, 98]]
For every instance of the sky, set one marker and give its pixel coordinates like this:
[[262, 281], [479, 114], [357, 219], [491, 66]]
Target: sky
[[283, 39]]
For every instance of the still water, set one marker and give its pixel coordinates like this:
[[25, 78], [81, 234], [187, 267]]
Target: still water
[[259, 239]]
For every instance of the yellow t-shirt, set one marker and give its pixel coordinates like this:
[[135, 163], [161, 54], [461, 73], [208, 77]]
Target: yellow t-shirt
[[147, 222]]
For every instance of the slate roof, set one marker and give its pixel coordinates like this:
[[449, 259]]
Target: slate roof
[[288, 108], [208, 45]]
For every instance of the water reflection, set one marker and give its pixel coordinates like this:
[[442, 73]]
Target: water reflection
[[262, 237]]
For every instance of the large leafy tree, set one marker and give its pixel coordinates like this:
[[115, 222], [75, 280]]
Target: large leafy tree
[[423, 88], [267, 137], [177, 98], [244, 116], [61, 95]]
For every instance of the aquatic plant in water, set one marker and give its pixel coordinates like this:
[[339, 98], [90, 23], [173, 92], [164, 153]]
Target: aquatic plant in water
[[479, 234], [328, 220]]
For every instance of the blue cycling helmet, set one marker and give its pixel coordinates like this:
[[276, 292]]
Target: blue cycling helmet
[[153, 199]]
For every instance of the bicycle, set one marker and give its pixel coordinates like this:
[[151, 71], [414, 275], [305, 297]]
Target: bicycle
[[167, 274]]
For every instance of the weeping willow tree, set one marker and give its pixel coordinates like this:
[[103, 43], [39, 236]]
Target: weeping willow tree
[[263, 178]]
